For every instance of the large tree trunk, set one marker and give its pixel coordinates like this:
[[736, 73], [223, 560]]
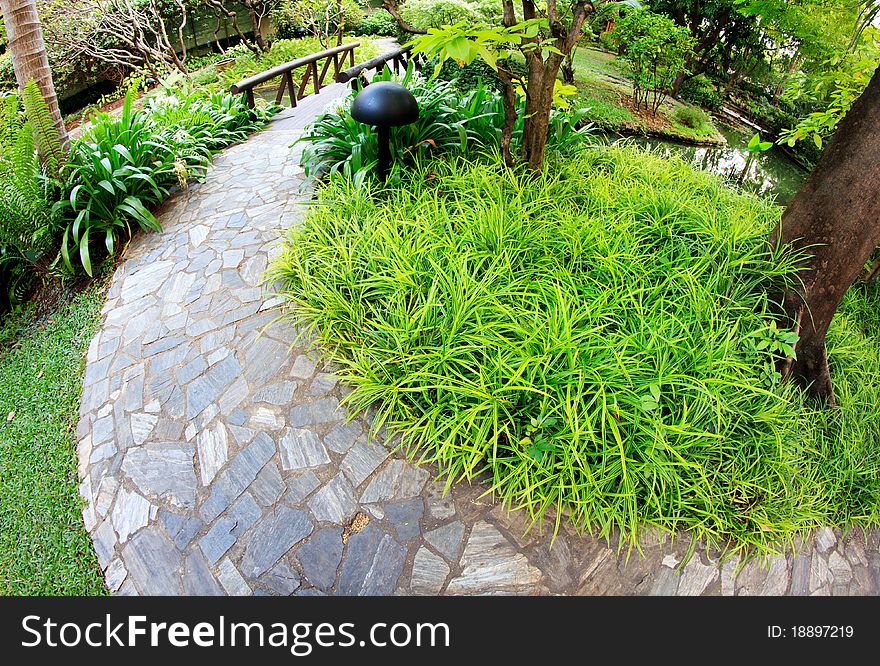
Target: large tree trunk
[[835, 217], [29, 59]]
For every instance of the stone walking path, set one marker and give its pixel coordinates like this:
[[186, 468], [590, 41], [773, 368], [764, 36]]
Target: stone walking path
[[216, 459]]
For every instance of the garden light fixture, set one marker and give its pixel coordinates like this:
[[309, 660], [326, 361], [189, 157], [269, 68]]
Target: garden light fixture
[[385, 104]]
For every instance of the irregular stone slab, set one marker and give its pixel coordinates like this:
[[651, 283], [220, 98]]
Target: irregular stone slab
[[268, 487], [231, 580], [429, 573], [273, 536], [840, 568], [263, 359], [696, 577], [130, 513], [153, 562], [197, 577], [322, 384], [301, 449], [316, 412], [229, 528], [490, 564], [362, 460], [165, 470], [800, 572], [440, 506], [181, 529], [213, 446], [115, 575], [666, 582], [447, 539], [281, 579], [104, 539], [334, 502], [320, 557], [303, 367], [825, 539], [301, 486], [397, 480], [405, 517], [343, 436], [237, 476], [276, 394], [206, 389], [145, 281], [142, 426], [372, 565]]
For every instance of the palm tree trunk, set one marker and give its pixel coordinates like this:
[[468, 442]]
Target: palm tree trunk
[[29, 59]]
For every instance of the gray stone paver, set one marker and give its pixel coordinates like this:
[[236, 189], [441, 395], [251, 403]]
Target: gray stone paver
[[215, 457]]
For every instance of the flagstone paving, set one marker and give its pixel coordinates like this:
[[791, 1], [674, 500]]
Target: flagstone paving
[[215, 457]]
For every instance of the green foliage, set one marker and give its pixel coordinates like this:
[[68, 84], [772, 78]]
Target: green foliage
[[700, 90], [755, 145], [593, 338], [320, 18], [44, 547], [426, 14], [26, 220], [655, 49], [450, 122], [833, 92], [377, 23], [124, 164], [467, 77], [694, 118], [48, 144]]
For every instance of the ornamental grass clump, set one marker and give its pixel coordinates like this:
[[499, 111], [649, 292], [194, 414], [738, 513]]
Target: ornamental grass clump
[[596, 340]]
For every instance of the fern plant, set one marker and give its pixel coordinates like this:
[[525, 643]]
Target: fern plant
[[27, 224], [48, 142]]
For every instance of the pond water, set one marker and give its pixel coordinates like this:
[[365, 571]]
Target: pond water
[[772, 173]]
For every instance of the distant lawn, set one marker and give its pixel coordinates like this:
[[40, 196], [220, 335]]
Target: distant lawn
[[603, 88], [44, 548], [599, 62]]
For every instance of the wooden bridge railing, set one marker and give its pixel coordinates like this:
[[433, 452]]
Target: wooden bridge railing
[[398, 60], [336, 55]]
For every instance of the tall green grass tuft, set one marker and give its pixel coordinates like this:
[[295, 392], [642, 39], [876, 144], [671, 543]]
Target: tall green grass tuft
[[595, 339]]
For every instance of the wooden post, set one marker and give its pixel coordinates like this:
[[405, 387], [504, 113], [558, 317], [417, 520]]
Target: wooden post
[[291, 88], [249, 96], [280, 94], [315, 83], [324, 70], [305, 81]]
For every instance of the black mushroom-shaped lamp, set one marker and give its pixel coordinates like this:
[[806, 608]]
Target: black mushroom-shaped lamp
[[385, 104]]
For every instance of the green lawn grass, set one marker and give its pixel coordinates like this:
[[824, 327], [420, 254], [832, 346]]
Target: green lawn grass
[[601, 80], [44, 548], [597, 339]]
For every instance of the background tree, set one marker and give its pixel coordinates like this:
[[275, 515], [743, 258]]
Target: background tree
[[29, 58], [543, 40], [834, 218], [655, 48], [132, 35]]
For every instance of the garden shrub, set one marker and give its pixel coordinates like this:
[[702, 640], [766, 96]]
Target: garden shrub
[[435, 13], [693, 117], [466, 77], [655, 48], [700, 90], [377, 23], [450, 121], [597, 339]]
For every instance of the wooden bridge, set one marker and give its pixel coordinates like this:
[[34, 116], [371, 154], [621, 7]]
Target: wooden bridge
[[315, 68]]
